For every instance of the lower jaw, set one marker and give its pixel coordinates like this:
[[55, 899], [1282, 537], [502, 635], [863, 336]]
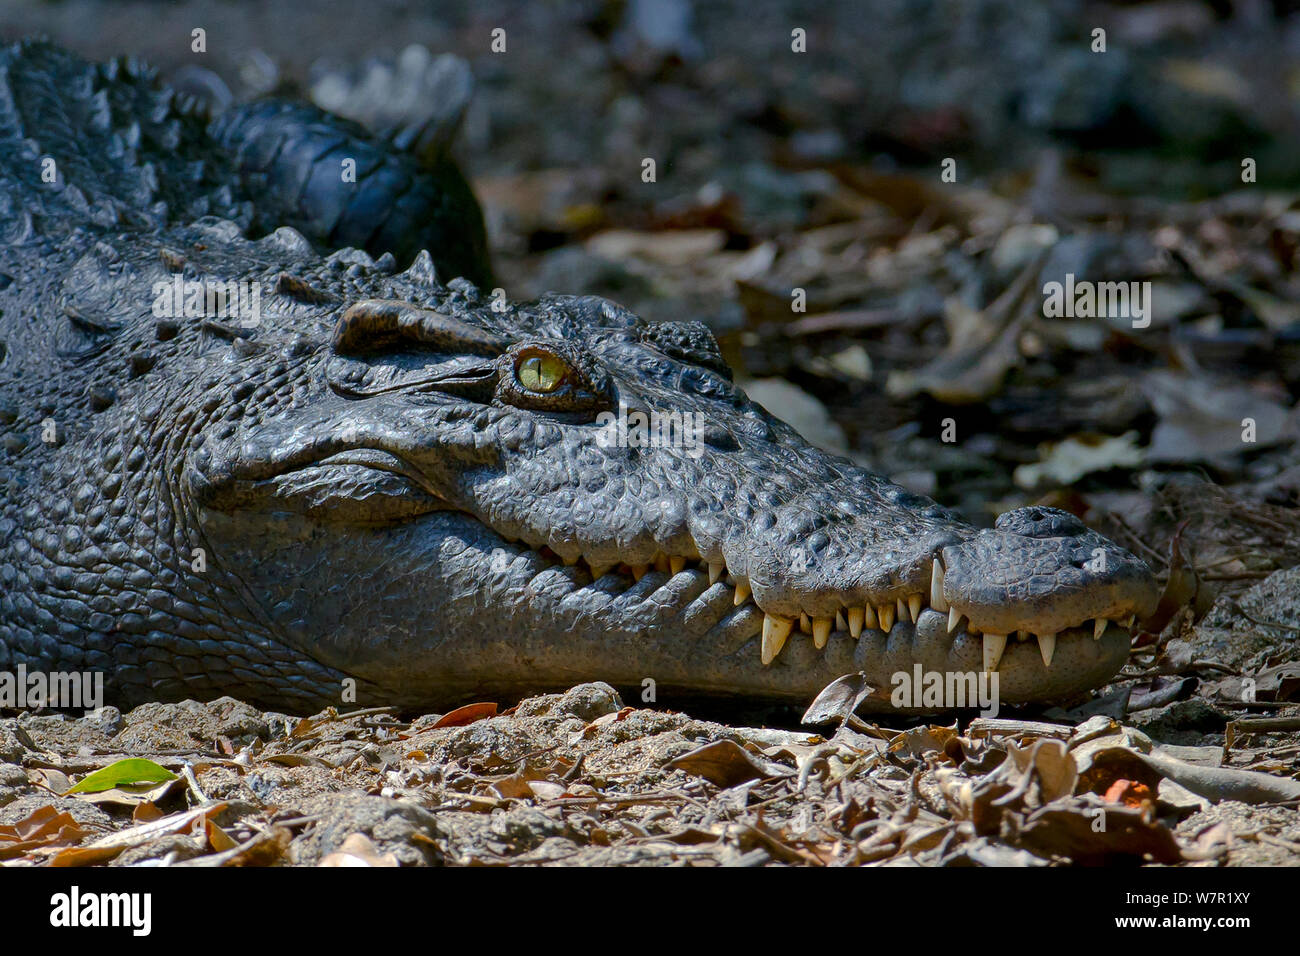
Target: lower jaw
[[911, 654], [538, 625], [728, 659], [669, 676]]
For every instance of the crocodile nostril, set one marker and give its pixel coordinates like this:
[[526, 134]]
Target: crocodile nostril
[[1040, 522]]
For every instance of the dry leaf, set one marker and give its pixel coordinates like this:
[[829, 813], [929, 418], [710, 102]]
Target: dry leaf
[[110, 846], [468, 714], [724, 764], [45, 827]]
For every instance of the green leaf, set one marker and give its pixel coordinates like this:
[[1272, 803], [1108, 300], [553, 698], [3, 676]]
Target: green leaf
[[123, 773]]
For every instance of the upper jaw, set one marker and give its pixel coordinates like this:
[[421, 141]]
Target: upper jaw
[[1046, 578], [1051, 580]]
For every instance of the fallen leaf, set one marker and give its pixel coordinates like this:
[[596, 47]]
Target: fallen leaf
[[838, 699], [265, 849], [111, 845], [219, 839], [982, 348], [1091, 832], [44, 827], [1066, 462], [724, 764], [468, 714], [546, 789], [803, 412], [1201, 419], [129, 772], [1224, 783]]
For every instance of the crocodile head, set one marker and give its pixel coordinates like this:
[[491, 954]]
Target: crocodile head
[[473, 500], [389, 480]]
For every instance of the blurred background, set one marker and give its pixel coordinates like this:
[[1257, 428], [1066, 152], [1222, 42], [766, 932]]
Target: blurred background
[[923, 350]]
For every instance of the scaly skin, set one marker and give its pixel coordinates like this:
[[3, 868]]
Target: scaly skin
[[371, 484]]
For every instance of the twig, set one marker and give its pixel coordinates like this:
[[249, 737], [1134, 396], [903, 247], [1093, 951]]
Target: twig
[[1236, 607]]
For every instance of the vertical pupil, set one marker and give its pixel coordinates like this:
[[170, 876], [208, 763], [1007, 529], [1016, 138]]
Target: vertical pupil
[[536, 373]]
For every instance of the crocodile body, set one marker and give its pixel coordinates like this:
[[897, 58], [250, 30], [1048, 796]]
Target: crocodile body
[[384, 482]]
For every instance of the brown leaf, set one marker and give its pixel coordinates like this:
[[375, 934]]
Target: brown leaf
[[602, 721], [107, 847], [921, 740], [264, 849], [692, 836], [468, 714], [513, 787], [982, 349], [838, 699], [45, 827], [219, 839], [1091, 832], [722, 763], [146, 813]]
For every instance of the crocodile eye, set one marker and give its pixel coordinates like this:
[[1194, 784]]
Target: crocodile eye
[[540, 372], [552, 376]]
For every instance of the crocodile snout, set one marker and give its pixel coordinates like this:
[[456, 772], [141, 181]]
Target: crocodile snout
[[1041, 572]]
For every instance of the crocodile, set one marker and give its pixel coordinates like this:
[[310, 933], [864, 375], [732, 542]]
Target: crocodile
[[257, 460]]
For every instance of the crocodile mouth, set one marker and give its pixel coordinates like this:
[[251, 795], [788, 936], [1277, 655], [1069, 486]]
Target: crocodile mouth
[[370, 485], [855, 622]]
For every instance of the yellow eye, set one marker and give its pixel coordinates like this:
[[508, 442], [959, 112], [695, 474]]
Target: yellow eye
[[540, 373]]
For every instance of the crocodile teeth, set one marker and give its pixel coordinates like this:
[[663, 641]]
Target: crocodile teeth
[[901, 605], [639, 571], [805, 624], [716, 568], [598, 571], [661, 562], [775, 631], [1047, 647], [1099, 628], [676, 564], [840, 623], [1132, 619], [954, 618], [855, 621], [742, 592], [937, 600], [886, 614], [821, 631], [869, 618], [914, 606], [994, 645]]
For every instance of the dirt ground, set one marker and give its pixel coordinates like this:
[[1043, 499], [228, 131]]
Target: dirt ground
[[923, 349]]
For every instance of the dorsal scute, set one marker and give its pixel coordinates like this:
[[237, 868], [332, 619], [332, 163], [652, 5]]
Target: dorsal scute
[[103, 145]]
